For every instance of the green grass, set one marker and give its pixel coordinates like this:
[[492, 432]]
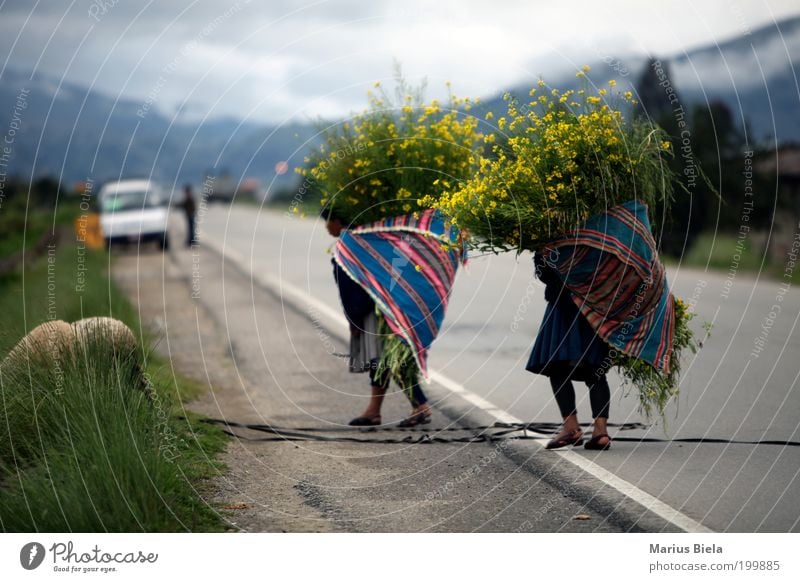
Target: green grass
[[50, 289], [721, 256], [82, 446], [18, 230], [22, 226]]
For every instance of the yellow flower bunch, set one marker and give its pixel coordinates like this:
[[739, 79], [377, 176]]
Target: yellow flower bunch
[[401, 149], [557, 160]]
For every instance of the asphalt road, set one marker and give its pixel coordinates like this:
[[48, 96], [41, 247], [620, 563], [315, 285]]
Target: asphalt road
[[728, 390]]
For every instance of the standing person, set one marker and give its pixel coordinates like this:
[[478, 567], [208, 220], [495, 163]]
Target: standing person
[[366, 344], [567, 349], [190, 208]]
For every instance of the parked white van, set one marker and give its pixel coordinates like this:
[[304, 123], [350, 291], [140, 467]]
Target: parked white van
[[134, 212]]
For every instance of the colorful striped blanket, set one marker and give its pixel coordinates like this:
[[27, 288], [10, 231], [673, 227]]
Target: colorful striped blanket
[[612, 270], [407, 265]]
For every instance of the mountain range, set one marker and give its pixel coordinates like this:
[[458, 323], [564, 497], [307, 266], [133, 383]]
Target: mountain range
[[75, 133]]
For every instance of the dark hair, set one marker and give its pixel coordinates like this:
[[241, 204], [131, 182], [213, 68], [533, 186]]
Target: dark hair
[[329, 213], [187, 186]]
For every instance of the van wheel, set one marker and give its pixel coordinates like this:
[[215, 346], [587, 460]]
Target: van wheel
[[164, 243]]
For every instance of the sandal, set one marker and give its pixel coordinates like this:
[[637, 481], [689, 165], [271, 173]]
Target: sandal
[[421, 417], [593, 444], [373, 420], [573, 438]]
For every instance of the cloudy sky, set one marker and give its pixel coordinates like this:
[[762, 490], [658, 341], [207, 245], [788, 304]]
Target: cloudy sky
[[277, 60]]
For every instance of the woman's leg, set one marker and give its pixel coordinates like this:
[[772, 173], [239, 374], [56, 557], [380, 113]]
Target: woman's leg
[[421, 412], [417, 397], [375, 401], [600, 398], [379, 383], [564, 392]]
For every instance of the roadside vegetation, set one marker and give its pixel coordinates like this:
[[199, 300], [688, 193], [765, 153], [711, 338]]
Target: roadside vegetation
[[94, 441], [723, 252]]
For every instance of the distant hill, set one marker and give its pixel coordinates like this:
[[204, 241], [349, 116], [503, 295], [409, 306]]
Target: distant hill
[[75, 132], [755, 74]]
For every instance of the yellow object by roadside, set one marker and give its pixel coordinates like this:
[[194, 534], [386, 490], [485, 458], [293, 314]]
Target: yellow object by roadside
[[88, 230]]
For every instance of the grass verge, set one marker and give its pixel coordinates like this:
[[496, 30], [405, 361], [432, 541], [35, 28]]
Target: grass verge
[[82, 446], [723, 252]]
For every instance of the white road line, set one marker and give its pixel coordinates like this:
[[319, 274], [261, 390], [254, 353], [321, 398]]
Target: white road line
[[301, 298]]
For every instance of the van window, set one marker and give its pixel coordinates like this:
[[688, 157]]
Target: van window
[[130, 200]]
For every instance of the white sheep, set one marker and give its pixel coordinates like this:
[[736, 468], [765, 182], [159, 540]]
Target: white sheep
[[52, 339], [58, 340]]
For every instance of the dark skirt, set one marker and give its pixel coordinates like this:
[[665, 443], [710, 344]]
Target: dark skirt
[[567, 342]]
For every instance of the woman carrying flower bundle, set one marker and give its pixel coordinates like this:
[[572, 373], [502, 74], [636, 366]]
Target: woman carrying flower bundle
[[366, 344], [394, 264], [614, 294], [406, 265], [571, 180]]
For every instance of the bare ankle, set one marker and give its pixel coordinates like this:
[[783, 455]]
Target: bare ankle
[[571, 424]]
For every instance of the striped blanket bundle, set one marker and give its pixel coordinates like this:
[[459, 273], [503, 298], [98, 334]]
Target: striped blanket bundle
[[612, 270], [407, 264]]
